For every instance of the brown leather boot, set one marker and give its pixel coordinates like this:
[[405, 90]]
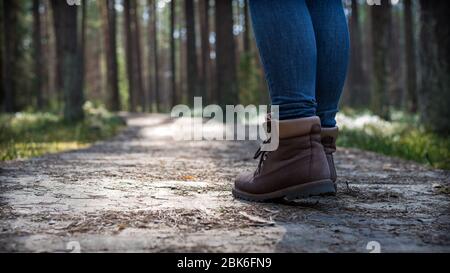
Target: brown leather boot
[[298, 168], [329, 136]]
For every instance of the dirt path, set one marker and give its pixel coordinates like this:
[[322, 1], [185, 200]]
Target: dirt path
[[143, 191]]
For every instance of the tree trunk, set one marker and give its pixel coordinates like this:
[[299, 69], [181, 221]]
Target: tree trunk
[[37, 54], [137, 55], [380, 21], [108, 11], [1, 55], [247, 29], [205, 48], [395, 56], [129, 55], [356, 77], [173, 67], [410, 58], [434, 94], [70, 68], [153, 44], [48, 55], [10, 51], [225, 54], [192, 68]]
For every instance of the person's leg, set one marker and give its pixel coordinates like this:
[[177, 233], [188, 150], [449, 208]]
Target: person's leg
[[332, 41], [287, 45], [286, 41]]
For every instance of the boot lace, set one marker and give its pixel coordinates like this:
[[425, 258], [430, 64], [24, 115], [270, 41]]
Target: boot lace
[[262, 155]]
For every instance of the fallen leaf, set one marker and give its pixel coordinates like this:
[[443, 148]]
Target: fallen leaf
[[187, 178]]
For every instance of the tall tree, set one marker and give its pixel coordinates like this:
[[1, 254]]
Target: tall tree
[[129, 55], [396, 63], [1, 56], [192, 66], [154, 59], [410, 58], [10, 54], [110, 45], [356, 77], [81, 51], [49, 54], [434, 94], [173, 68], [380, 22], [247, 28], [204, 7], [137, 48], [37, 46], [227, 90], [69, 46], [133, 54]]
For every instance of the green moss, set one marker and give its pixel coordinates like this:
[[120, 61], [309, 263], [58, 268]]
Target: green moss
[[25, 135]]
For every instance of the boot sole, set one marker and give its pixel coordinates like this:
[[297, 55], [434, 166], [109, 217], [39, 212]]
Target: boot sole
[[316, 188]]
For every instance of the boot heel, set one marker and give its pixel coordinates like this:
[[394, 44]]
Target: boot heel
[[317, 188]]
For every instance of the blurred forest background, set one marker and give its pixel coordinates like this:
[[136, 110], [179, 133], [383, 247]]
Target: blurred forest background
[[63, 66]]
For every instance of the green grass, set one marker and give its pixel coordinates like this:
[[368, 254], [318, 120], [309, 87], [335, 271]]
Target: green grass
[[25, 135], [401, 137]]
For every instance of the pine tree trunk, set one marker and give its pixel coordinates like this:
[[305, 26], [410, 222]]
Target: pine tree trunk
[[192, 68], [205, 48], [410, 58], [225, 54], [70, 68], [380, 21], [108, 11], [49, 51], [37, 54], [356, 73], [140, 95], [2, 92], [129, 55], [395, 55], [10, 48], [247, 28], [173, 68], [154, 59], [434, 94]]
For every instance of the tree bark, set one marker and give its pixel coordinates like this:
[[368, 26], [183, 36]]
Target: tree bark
[[410, 58], [173, 68], [205, 48], [356, 77], [110, 44], [434, 94], [153, 44], [10, 52], [247, 28], [138, 55], [129, 55], [37, 55], [192, 66], [225, 54], [70, 68], [1, 56], [380, 21], [395, 56]]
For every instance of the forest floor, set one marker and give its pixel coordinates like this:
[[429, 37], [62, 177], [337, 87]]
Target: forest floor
[[142, 191]]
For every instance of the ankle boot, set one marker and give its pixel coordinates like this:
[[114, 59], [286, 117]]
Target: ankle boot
[[298, 168], [328, 138]]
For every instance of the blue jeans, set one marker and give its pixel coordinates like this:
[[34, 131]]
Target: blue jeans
[[304, 48]]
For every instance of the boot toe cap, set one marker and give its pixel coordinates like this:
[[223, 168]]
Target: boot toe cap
[[243, 181]]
